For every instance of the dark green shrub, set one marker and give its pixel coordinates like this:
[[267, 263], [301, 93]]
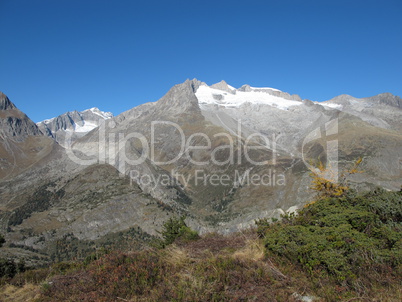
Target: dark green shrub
[[33, 276], [343, 236], [2, 240], [262, 226], [8, 268], [176, 228]]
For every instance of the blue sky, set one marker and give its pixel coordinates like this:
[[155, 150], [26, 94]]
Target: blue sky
[[64, 55]]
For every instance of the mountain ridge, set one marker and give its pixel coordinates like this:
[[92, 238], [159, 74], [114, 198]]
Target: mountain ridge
[[77, 122]]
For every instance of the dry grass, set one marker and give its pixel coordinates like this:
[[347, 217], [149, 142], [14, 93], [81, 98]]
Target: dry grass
[[214, 244], [176, 256], [253, 250], [26, 293], [213, 268]]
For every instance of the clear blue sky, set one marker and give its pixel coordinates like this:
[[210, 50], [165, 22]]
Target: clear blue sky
[[63, 55]]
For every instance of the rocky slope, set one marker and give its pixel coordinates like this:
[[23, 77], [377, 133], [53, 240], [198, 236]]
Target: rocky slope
[[383, 110], [22, 144]]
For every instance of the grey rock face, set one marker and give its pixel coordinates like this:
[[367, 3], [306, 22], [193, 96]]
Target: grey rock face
[[386, 99], [222, 85], [18, 128], [383, 110], [14, 124], [5, 103], [73, 125], [181, 98], [21, 142]]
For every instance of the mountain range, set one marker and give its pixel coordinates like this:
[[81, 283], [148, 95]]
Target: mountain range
[[221, 156]]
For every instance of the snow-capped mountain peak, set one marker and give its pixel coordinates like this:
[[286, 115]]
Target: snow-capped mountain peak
[[77, 122], [263, 88], [225, 95], [103, 114]]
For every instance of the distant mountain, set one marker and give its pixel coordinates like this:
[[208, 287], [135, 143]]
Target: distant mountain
[[383, 110], [77, 124]]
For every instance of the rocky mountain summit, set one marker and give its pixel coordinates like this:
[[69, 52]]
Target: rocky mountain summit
[[77, 124], [14, 124], [21, 142], [221, 156], [382, 110]]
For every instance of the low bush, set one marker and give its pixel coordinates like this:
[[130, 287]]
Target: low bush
[[2, 240], [9, 268], [343, 237], [176, 229]]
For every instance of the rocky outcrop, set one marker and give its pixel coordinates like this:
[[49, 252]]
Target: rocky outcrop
[[222, 85], [70, 126], [180, 99], [5, 103], [22, 144], [15, 125], [386, 99], [383, 110]]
